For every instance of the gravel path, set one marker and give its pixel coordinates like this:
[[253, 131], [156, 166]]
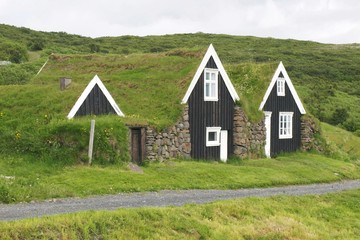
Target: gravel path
[[159, 199]]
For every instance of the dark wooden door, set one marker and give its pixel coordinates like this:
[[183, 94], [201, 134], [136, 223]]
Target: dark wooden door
[[136, 145]]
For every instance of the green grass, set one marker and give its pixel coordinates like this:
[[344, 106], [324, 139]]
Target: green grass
[[137, 82], [41, 180], [330, 216], [251, 82], [326, 75], [148, 76], [344, 143], [33, 116]]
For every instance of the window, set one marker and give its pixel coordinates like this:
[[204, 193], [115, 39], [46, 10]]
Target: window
[[213, 136], [285, 125], [281, 86], [210, 84]]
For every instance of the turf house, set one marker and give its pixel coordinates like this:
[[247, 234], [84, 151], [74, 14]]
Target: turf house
[[283, 110]]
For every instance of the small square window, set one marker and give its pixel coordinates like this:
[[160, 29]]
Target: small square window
[[213, 136], [211, 84], [281, 86]]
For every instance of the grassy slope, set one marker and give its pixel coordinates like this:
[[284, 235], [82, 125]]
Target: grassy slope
[[344, 143], [326, 75], [134, 81], [41, 180], [137, 82], [33, 116], [334, 216]]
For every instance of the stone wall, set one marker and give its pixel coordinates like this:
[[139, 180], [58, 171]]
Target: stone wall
[[170, 143], [309, 128], [249, 138]]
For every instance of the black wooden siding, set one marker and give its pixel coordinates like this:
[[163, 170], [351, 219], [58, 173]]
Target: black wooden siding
[[204, 114], [276, 104], [95, 103]]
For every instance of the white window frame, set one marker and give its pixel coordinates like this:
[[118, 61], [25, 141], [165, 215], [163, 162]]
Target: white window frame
[[285, 125], [280, 86], [213, 83], [216, 130]]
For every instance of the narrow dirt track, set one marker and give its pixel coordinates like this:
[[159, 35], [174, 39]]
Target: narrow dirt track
[[159, 199]]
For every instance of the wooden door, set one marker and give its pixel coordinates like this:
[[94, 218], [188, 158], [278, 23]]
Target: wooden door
[[268, 134], [136, 145]]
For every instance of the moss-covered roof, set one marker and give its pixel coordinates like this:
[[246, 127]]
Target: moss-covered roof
[[147, 87]]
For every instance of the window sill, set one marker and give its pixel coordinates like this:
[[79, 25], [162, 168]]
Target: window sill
[[211, 99], [285, 137], [213, 144]]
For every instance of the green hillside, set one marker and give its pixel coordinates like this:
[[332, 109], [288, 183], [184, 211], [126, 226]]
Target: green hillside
[[326, 75], [148, 76]]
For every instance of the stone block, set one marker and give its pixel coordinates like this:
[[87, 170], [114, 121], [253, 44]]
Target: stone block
[[158, 142], [186, 147]]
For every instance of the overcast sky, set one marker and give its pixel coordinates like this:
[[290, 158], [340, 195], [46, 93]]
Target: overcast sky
[[327, 21]]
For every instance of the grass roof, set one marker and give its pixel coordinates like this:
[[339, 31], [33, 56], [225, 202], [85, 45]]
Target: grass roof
[[147, 87]]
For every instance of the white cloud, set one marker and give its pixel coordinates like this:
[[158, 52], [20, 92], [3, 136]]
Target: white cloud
[[334, 21]]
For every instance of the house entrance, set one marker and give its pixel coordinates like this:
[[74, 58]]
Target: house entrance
[[268, 133], [137, 144]]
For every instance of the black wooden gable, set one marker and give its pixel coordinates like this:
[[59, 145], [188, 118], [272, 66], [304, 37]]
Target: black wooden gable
[[95, 103], [211, 64], [280, 103], [95, 100], [211, 60], [290, 92]]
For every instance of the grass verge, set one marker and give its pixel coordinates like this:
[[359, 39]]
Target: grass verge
[[33, 180], [334, 216]]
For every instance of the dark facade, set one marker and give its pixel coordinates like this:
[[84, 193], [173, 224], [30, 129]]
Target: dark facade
[[95, 100], [95, 103], [277, 104], [204, 114]]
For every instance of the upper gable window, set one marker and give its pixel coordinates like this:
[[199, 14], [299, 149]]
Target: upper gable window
[[280, 86], [211, 84]]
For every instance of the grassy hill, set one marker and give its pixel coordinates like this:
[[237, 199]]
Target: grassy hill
[[326, 75], [148, 76]]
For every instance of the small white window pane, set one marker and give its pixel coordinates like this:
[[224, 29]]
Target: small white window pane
[[207, 76], [212, 136], [212, 89], [213, 76], [207, 89]]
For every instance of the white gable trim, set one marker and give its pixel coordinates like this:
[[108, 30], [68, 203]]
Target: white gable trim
[[89, 87], [282, 69], [211, 53]]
